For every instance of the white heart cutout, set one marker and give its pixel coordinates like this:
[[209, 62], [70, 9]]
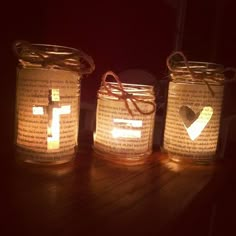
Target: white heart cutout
[[195, 123]]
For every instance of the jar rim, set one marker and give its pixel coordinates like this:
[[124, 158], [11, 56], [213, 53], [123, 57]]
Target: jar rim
[[199, 66], [134, 89], [57, 48], [56, 56], [129, 87], [45, 49]]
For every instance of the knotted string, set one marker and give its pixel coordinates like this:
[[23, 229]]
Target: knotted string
[[125, 96], [194, 76], [75, 60]]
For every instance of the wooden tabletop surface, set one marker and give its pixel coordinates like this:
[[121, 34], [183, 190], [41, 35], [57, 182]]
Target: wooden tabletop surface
[[90, 196]]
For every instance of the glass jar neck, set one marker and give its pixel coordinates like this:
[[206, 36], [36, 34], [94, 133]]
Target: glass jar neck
[[43, 53], [53, 56], [197, 72], [136, 90]]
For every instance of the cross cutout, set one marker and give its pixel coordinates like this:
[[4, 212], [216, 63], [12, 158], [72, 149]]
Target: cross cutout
[[54, 110]]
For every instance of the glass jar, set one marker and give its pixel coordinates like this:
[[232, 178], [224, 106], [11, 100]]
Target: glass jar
[[124, 136], [193, 113], [48, 102]]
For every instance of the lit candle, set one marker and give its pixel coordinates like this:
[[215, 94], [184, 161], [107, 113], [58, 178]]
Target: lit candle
[[193, 110], [125, 121], [47, 103], [53, 111]]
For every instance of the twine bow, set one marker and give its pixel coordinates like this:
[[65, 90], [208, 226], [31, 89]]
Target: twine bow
[[194, 76], [74, 59], [125, 96]]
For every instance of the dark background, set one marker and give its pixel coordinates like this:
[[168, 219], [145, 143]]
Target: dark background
[[118, 36]]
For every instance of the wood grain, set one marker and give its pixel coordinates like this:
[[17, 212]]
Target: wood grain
[[94, 197]]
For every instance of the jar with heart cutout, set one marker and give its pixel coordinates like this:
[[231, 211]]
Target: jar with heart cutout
[[194, 106]]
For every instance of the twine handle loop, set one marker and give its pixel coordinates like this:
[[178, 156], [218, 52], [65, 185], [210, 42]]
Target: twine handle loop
[[191, 72], [125, 96], [172, 55]]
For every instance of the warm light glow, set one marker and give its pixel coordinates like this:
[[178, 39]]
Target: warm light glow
[[192, 119], [65, 109], [54, 111], [55, 95], [128, 123], [54, 129], [126, 128], [125, 133], [43, 134], [173, 166], [38, 110], [196, 128]]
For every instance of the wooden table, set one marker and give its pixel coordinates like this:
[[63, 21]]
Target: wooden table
[[90, 196]]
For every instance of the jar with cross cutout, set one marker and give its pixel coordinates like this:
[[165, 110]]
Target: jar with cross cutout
[[48, 102]]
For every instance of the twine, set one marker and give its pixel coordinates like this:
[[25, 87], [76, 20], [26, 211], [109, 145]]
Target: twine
[[194, 76], [75, 60], [125, 96]]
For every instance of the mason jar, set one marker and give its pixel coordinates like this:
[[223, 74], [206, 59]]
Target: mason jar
[[193, 114], [48, 102], [124, 125]]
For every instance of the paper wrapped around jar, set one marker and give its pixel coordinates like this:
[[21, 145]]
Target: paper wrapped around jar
[[48, 101], [124, 121], [194, 109]]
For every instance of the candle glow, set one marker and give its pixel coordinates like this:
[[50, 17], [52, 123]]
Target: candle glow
[[196, 128], [54, 110]]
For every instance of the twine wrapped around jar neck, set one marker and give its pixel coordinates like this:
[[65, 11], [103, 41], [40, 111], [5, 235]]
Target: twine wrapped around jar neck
[[125, 96], [196, 71], [52, 56]]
